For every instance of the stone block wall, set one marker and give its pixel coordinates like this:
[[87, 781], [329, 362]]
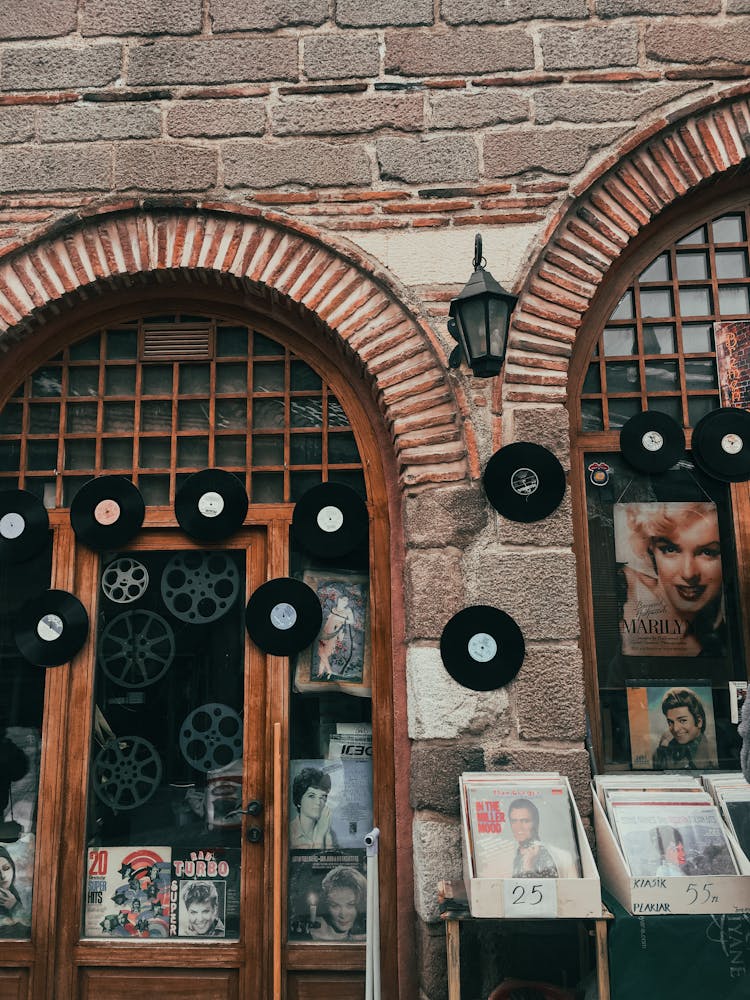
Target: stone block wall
[[396, 129]]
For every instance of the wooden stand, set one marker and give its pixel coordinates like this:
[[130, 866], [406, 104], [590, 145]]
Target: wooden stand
[[455, 911]]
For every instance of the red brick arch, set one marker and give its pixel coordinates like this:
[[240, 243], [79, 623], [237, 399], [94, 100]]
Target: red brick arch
[[639, 182], [341, 289]]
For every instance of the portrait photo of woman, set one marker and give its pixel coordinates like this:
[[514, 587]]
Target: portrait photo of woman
[[14, 915], [670, 556], [343, 906], [311, 827]]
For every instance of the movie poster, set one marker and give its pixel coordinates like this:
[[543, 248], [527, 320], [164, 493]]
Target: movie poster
[[339, 659], [204, 893], [672, 726], [670, 556], [328, 896], [127, 892]]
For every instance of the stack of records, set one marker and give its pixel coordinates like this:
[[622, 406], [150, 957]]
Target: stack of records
[[666, 825], [520, 825], [731, 793]]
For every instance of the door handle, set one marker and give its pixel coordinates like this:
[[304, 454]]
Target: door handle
[[254, 808]]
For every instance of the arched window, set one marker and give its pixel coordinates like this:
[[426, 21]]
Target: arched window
[[661, 556]]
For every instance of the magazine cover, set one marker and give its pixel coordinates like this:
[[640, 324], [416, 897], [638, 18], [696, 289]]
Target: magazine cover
[[127, 892], [672, 838], [328, 896], [330, 803], [737, 808], [352, 740], [737, 697], [16, 877], [732, 342], [204, 893], [521, 830], [339, 659], [672, 726], [670, 558]]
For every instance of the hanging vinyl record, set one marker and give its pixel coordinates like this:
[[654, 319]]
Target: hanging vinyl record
[[50, 629], [107, 512], [330, 520], [651, 442], [721, 444], [524, 482], [482, 648], [211, 505], [283, 616], [24, 525]]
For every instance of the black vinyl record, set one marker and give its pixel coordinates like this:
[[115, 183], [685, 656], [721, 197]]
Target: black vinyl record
[[482, 648], [283, 616], [651, 442], [211, 505], [330, 520], [524, 482], [107, 512], [24, 525], [51, 628], [721, 444]]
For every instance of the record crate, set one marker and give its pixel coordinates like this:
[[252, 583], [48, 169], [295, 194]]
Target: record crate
[[668, 894], [529, 897]]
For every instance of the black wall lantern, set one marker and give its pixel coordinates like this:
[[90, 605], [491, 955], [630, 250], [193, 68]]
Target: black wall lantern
[[479, 320]]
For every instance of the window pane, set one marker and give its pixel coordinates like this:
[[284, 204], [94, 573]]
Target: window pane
[[307, 411], [692, 266], [700, 373], [307, 449], [697, 236], [71, 485], [78, 455], [192, 452], [622, 377], [303, 377], [731, 264], [119, 417], [44, 419], [619, 340], [192, 415], [662, 376], [122, 345], [658, 270], [231, 414], [154, 489], [268, 449], [353, 478], [85, 350], [695, 302], [47, 382], [301, 482], [592, 382], [264, 346], [697, 338], [342, 449], [728, 229], [231, 341], [120, 381], [42, 455], [591, 415], [230, 451], [83, 382], [268, 377], [10, 419], [155, 453], [194, 379], [156, 415], [659, 339], [621, 410], [156, 380], [117, 454], [267, 487], [656, 302], [699, 406], [670, 405], [10, 456], [624, 308], [733, 300], [231, 378], [268, 413], [336, 415]]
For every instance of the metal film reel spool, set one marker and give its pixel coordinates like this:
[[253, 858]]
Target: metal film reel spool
[[125, 580], [136, 648], [200, 587], [211, 737], [126, 773]]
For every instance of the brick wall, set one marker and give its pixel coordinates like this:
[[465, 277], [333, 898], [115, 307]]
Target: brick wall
[[397, 130]]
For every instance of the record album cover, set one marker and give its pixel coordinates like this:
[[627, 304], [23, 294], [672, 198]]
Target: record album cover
[[672, 726], [204, 893], [330, 803], [328, 896], [127, 892], [521, 830]]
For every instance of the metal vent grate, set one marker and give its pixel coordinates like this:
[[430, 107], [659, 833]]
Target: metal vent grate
[[178, 342]]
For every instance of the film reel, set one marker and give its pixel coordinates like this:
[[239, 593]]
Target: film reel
[[200, 587], [126, 773], [211, 737], [136, 648], [125, 580]]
